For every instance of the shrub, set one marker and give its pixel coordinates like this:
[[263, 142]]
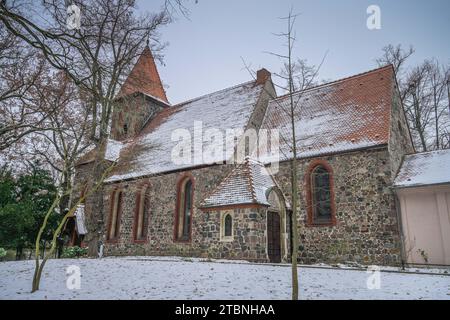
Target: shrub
[[2, 253], [74, 252]]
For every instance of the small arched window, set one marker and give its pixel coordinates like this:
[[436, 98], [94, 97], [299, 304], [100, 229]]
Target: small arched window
[[320, 196], [183, 219], [228, 225], [114, 219], [141, 214]]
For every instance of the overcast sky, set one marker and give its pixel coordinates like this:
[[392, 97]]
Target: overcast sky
[[204, 53]]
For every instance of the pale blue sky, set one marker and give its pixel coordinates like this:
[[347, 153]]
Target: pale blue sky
[[204, 53]]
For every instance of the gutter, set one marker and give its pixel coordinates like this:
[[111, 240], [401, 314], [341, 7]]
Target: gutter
[[397, 187]]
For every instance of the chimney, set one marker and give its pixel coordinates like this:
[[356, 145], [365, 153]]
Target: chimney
[[262, 75]]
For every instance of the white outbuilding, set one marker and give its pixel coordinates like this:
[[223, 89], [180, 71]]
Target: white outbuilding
[[423, 190]]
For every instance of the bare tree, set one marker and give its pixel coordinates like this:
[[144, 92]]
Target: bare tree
[[438, 84], [304, 75], [96, 57], [21, 77], [39, 265], [422, 91], [66, 136], [426, 105], [397, 56], [418, 104], [298, 76], [99, 55]]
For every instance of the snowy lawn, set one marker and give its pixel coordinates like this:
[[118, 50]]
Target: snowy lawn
[[178, 278]]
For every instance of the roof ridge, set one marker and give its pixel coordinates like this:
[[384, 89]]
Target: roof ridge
[[159, 77], [250, 179], [336, 81], [226, 178], [214, 92]]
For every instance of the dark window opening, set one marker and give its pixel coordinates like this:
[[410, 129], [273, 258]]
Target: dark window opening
[[114, 224], [142, 214], [321, 195], [184, 214], [228, 227]]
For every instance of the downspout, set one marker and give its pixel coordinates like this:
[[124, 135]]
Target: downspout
[[400, 230]]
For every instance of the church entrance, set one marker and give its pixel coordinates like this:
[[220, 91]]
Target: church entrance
[[273, 237]]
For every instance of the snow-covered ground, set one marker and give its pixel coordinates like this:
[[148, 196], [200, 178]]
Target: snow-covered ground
[[179, 278]]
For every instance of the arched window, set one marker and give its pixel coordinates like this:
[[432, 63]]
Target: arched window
[[183, 219], [320, 195], [226, 225], [141, 214], [114, 219]]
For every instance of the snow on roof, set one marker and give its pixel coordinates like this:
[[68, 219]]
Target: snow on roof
[[151, 151], [247, 183], [423, 169], [111, 152], [165, 103], [346, 114], [79, 219], [113, 149]]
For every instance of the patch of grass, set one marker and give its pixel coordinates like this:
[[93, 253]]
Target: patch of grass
[[74, 252]]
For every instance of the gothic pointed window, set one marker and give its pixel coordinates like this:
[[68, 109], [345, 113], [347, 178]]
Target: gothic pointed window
[[183, 219], [320, 196], [114, 217], [226, 225], [141, 214]]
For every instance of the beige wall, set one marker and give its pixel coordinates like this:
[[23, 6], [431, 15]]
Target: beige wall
[[425, 215]]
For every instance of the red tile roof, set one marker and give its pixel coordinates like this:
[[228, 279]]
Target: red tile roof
[[144, 78], [346, 114], [150, 152]]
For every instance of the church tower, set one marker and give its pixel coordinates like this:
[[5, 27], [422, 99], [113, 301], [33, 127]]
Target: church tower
[[141, 96]]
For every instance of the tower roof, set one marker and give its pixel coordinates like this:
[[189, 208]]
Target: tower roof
[[144, 78]]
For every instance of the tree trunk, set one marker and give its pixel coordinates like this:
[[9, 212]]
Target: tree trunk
[[422, 139], [436, 116], [19, 250], [65, 185], [294, 232], [96, 215], [294, 184]]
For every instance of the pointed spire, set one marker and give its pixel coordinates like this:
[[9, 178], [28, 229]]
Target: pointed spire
[[144, 78]]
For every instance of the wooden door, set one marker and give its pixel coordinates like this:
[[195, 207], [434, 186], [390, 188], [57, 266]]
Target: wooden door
[[273, 237]]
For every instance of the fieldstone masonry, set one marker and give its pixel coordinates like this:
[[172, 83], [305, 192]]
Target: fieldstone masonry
[[366, 229]]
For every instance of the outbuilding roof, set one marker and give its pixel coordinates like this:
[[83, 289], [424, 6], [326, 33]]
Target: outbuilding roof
[[422, 169]]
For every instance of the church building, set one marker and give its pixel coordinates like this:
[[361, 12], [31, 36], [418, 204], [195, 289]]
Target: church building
[[352, 136]]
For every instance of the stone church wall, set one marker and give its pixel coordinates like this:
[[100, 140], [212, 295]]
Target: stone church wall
[[366, 230], [249, 224], [399, 138]]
